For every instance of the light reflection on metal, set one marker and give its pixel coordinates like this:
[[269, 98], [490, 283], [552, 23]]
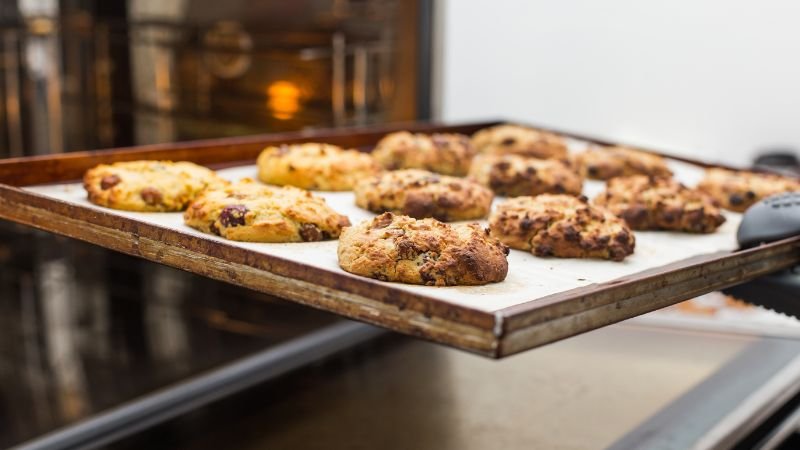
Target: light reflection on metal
[[283, 99], [338, 79], [360, 67]]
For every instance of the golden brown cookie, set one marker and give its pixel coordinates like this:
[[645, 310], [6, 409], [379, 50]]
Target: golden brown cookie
[[603, 163], [314, 166], [519, 140], [400, 248], [562, 226], [738, 190], [648, 203], [420, 194], [252, 212], [148, 186], [513, 175], [448, 154]]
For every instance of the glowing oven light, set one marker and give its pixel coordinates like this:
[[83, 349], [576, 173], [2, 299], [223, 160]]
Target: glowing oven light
[[283, 99]]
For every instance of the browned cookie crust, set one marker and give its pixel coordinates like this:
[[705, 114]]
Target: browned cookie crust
[[420, 194], [148, 186], [520, 140], [429, 252], [448, 154], [648, 203], [314, 166], [252, 212], [513, 175], [562, 226], [738, 190], [603, 163]]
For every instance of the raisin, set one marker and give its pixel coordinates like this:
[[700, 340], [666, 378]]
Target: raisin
[[508, 141], [233, 215], [310, 232], [109, 181], [151, 195], [736, 199]]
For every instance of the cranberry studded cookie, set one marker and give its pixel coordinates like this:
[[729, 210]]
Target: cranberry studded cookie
[[513, 175], [248, 211], [314, 166], [448, 154], [562, 226], [148, 186], [648, 203], [400, 248], [738, 190], [603, 163], [519, 140], [420, 194]]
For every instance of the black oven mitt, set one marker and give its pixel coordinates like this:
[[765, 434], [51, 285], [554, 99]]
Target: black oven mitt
[[772, 219]]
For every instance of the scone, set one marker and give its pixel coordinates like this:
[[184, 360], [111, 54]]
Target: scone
[[513, 175], [420, 194], [562, 226], [648, 203], [603, 163], [400, 248], [314, 166], [520, 140], [249, 211], [448, 154], [148, 186], [738, 190]]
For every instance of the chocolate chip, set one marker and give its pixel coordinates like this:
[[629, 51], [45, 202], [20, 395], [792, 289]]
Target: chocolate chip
[[750, 195], [592, 171], [508, 141], [530, 170], [233, 215], [526, 223], [736, 199], [151, 195], [109, 181]]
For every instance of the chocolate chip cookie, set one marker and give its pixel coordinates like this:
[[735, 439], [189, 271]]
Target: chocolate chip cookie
[[648, 203], [519, 140], [148, 186], [315, 166], [563, 226], [603, 163], [448, 154], [738, 190], [420, 194], [252, 212], [400, 248], [514, 175]]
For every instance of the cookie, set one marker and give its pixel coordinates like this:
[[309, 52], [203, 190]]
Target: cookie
[[519, 140], [400, 248], [562, 226], [738, 190], [252, 212], [148, 186], [448, 154], [513, 175], [648, 203], [603, 163], [314, 166], [420, 194]]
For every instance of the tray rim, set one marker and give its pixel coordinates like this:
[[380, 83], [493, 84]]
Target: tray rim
[[495, 334]]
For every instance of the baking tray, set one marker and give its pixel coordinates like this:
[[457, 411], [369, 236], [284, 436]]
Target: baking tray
[[542, 300]]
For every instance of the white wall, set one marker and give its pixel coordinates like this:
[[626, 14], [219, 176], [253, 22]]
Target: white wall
[[714, 78]]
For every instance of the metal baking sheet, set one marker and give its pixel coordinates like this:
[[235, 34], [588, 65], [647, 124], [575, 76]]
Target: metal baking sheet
[[541, 300]]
